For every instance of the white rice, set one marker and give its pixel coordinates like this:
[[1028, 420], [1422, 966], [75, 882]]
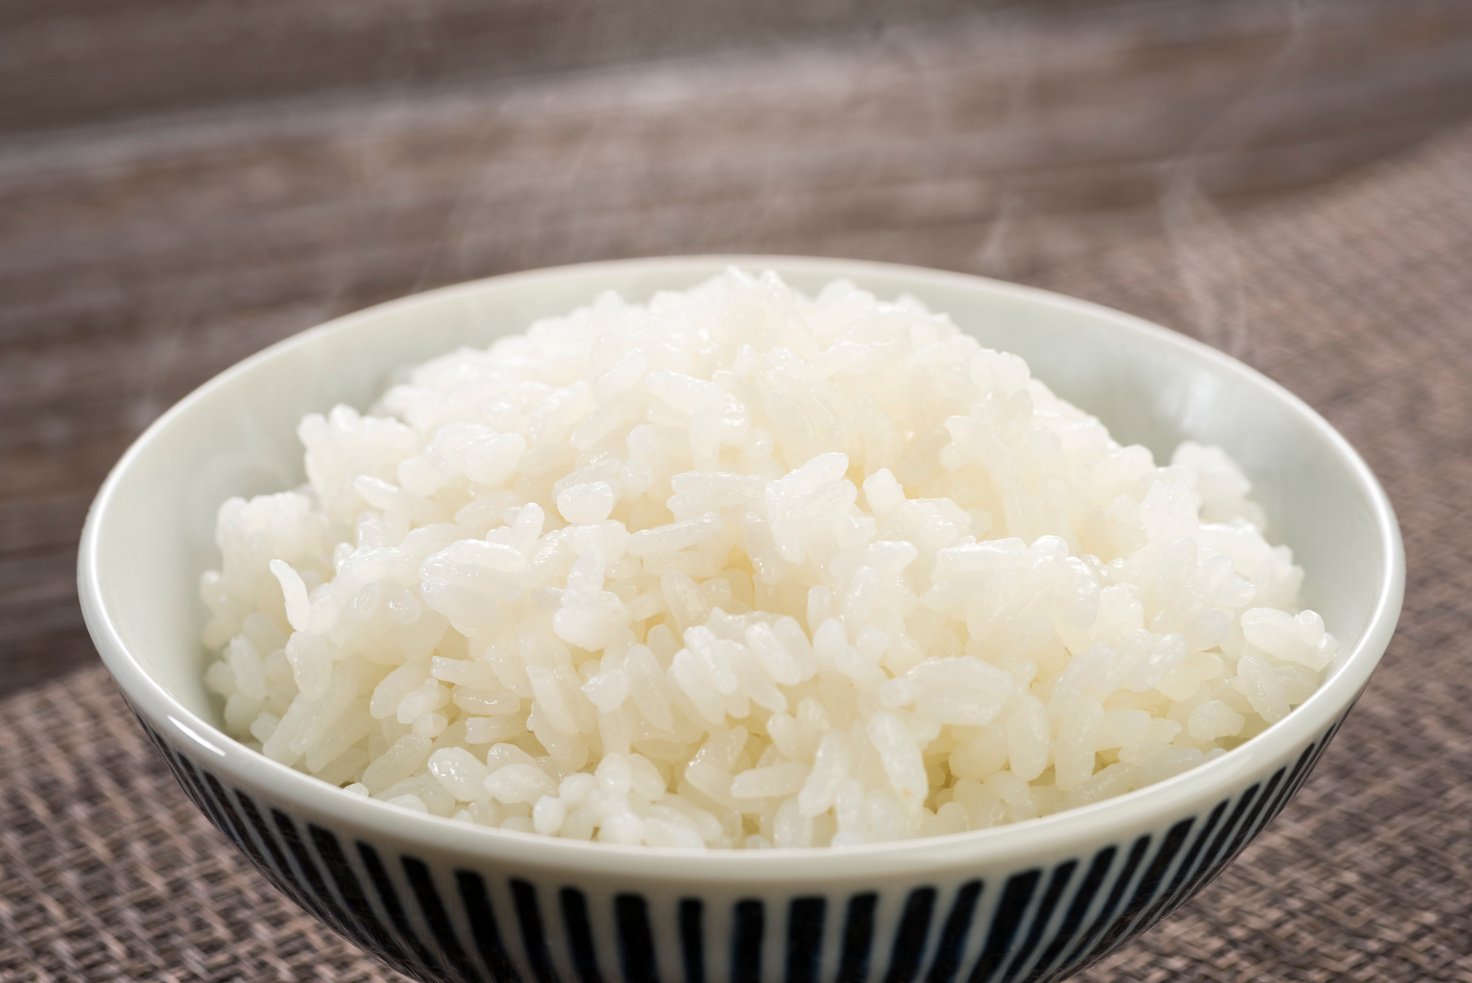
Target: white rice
[[739, 568]]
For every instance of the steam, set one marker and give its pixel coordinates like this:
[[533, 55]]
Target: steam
[[1204, 245], [1019, 70]]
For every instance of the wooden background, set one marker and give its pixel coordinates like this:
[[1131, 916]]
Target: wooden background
[[184, 182]]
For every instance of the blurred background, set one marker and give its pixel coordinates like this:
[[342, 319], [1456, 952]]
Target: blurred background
[[183, 182]]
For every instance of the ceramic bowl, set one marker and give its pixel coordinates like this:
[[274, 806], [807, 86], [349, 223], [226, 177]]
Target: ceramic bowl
[[442, 900]]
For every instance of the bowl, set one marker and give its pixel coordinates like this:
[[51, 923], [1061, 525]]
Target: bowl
[[441, 900]]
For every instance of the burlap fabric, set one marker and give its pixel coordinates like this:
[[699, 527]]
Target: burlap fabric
[[1359, 300]]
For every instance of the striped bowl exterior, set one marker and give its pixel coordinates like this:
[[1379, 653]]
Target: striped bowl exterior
[[439, 920]]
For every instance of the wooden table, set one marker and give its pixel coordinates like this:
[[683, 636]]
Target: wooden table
[[182, 183]]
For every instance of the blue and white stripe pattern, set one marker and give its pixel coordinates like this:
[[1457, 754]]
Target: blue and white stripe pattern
[[470, 925]]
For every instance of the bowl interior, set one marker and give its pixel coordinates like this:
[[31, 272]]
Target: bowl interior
[[154, 532]]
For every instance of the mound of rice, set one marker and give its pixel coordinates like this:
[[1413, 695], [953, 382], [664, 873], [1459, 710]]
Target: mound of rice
[[739, 568]]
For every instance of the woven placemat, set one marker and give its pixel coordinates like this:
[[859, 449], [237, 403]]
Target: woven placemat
[[1359, 300]]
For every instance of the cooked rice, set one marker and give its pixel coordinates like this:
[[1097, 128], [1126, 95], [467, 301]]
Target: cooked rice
[[739, 568]]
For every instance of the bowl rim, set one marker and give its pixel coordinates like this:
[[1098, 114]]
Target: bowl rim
[[1098, 822]]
